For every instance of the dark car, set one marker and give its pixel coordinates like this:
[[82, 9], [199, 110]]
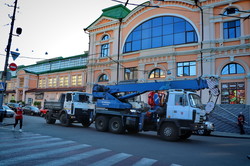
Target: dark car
[[13, 106], [9, 113], [32, 110]]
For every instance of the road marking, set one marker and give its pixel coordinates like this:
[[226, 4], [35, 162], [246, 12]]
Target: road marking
[[30, 141], [145, 162], [21, 149], [38, 147], [16, 160], [73, 158], [8, 139], [111, 160]]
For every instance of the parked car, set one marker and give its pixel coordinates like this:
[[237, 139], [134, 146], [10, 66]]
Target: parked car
[[43, 112], [13, 106], [32, 110], [9, 113]]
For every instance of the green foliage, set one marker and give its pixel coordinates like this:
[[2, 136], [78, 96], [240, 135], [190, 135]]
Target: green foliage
[[21, 102], [37, 104]]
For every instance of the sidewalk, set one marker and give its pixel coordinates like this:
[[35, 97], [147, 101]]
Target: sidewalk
[[230, 135]]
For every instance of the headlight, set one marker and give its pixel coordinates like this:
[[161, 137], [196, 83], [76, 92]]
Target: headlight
[[133, 110]]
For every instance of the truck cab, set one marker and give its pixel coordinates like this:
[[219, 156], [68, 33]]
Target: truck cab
[[185, 105], [71, 107]]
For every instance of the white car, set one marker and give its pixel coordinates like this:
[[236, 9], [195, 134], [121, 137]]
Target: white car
[[9, 113]]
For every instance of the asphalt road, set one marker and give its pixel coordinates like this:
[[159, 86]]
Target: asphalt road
[[197, 150]]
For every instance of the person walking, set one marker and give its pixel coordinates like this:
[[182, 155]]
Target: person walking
[[241, 121], [18, 118]]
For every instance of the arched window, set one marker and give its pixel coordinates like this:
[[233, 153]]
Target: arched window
[[105, 37], [232, 68], [105, 47], [157, 73], [231, 10], [103, 78], [160, 32]]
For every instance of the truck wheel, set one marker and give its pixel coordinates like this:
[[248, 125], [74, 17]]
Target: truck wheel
[[49, 118], [64, 120], [169, 132], [116, 126], [101, 123], [186, 135]]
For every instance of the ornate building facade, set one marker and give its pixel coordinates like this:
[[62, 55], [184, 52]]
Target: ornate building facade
[[174, 40], [158, 40]]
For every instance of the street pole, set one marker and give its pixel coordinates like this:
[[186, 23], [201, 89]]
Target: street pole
[[4, 75]]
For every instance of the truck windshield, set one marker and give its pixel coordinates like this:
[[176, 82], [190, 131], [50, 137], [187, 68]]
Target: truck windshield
[[81, 98], [195, 101]]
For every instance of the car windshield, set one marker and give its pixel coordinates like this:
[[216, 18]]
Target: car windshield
[[195, 101], [6, 107], [14, 105], [34, 108], [82, 98]]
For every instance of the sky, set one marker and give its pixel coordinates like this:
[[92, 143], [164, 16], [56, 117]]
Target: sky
[[52, 26]]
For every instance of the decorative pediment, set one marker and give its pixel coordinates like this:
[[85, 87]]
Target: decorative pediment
[[103, 20]]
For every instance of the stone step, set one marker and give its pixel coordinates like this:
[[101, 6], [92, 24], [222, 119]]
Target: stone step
[[225, 117]]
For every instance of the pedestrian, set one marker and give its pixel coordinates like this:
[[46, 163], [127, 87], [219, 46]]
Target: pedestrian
[[241, 121], [2, 112], [18, 118]]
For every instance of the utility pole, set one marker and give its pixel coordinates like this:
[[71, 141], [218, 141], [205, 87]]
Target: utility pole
[[4, 75], [119, 42]]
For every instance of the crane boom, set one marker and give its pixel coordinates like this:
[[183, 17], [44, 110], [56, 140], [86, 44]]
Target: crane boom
[[110, 99]]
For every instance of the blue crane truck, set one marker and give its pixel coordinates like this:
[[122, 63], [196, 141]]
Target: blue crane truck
[[171, 108], [174, 109]]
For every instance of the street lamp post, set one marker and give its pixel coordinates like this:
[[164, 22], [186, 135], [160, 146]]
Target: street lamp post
[[4, 75]]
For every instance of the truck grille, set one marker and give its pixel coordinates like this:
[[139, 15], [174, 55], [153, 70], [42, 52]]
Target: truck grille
[[201, 119], [79, 112]]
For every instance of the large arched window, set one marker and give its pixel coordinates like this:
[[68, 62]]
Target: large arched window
[[232, 68], [160, 32], [103, 78], [157, 73]]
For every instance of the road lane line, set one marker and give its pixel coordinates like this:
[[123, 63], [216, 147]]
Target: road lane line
[[31, 141], [145, 162], [73, 158], [111, 160], [15, 150], [24, 138], [16, 160]]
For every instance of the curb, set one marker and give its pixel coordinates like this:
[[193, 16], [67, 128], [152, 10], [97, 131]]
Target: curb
[[230, 135]]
